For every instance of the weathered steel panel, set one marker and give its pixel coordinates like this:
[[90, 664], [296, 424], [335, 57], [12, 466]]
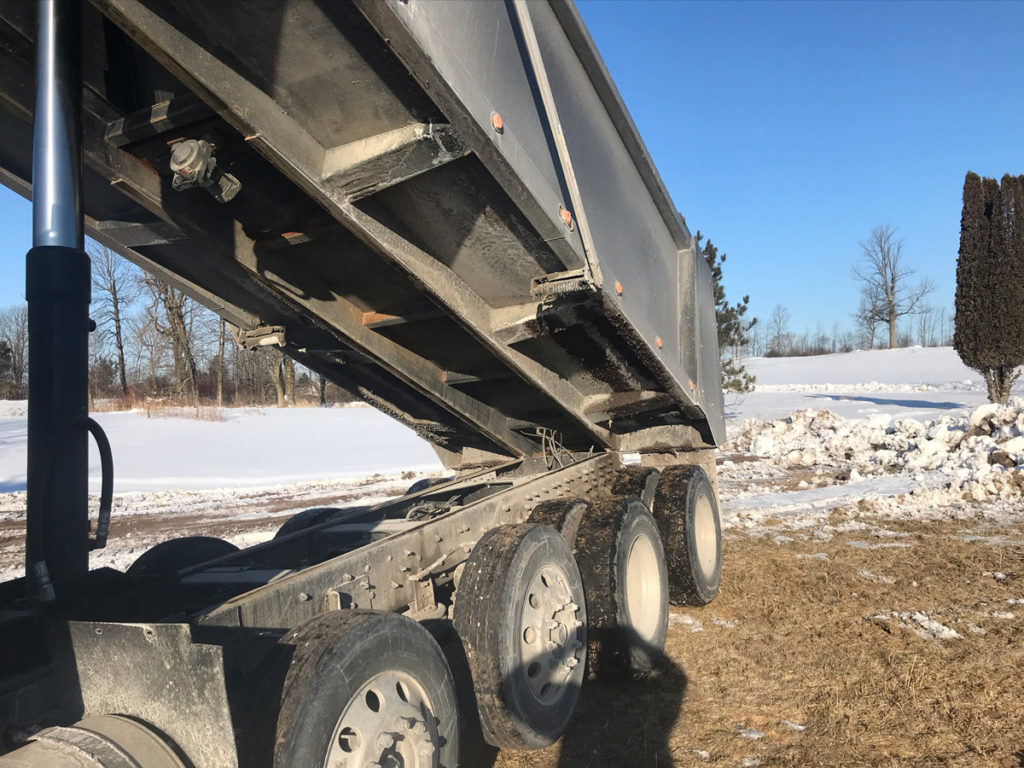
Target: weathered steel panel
[[155, 672]]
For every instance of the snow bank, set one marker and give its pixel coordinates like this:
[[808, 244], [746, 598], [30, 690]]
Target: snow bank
[[979, 456]]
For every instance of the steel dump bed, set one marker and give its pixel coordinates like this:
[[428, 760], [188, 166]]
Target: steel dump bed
[[445, 208]]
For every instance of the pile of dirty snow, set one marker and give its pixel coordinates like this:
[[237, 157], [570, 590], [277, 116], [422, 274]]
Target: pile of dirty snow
[[978, 457]]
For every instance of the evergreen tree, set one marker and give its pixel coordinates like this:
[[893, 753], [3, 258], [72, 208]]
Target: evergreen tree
[[990, 282], [733, 327]]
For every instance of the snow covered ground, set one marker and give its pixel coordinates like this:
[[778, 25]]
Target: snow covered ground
[[246, 447], [238, 477], [836, 442], [916, 382]]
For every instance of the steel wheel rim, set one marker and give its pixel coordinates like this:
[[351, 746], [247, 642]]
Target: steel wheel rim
[[643, 588], [705, 536], [388, 723], [549, 644]]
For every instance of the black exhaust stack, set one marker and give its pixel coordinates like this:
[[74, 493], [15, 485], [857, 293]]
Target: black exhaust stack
[[58, 293]]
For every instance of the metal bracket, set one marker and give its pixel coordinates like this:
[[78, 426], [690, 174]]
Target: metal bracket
[[556, 284], [263, 336], [353, 593]]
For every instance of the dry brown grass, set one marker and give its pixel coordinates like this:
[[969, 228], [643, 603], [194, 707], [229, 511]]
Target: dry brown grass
[[868, 692], [156, 410]]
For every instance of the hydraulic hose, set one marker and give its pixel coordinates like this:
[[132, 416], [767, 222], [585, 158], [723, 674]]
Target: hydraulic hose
[[40, 568]]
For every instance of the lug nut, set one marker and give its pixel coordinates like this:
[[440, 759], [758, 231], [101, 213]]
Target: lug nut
[[385, 741]]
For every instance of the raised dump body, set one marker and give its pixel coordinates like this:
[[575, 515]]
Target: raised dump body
[[444, 207]]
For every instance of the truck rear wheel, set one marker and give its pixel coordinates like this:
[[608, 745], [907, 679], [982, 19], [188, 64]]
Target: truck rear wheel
[[169, 557], [307, 518], [686, 510], [366, 688], [625, 578], [520, 613], [562, 515]]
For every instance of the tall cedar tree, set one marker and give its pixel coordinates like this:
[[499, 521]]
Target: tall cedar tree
[[733, 328], [989, 328]]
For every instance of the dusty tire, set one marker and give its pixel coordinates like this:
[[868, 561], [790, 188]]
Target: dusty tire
[[562, 515], [686, 510], [520, 591], [625, 578], [365, 686], [169, 557], [638, 483], [426, 482]]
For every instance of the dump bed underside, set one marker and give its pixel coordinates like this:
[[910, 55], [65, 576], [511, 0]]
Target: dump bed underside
[[410, 252]]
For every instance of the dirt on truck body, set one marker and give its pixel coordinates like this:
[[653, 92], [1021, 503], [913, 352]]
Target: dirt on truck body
[[445, 209]]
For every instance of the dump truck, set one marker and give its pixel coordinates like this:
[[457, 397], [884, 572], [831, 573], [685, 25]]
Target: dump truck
[[444, 208]]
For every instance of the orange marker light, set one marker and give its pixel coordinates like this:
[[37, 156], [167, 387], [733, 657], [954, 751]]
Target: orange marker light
[[658, 341], [497, 123], [618, 288], [566, 215]]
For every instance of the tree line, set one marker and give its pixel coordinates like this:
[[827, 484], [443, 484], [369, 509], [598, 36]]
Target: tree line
[[152, 341], [892, 308]]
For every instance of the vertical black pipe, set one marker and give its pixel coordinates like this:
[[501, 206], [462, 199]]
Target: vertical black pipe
[[57, 289]]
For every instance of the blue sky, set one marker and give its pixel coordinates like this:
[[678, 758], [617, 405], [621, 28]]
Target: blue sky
[[786, 131]]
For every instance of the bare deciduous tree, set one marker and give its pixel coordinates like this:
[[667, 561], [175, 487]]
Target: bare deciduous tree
[[115, 286], [929, 326], [288, 376], [177, 326], [886, 291], [14, 331], [221, 333], [778, 328]]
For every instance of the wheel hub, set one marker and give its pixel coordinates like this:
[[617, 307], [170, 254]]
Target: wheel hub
[[643, 588], [706, 536], [549, 634], [387, 724]]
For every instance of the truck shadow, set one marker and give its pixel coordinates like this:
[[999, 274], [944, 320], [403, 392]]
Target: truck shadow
[[620, 719], [946, 406]]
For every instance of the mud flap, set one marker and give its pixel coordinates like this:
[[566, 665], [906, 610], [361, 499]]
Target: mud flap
[[155, 672]]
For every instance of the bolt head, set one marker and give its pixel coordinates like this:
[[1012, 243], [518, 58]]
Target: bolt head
[[385, 740]]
